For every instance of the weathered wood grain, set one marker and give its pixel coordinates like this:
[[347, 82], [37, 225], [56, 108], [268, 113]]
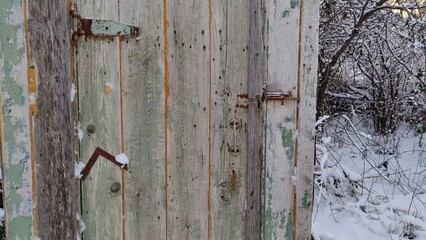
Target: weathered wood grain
[[16, 156], [255, 149], [229, 69], [143, 120], [188, 119], [283, 53], [54, 152], [99, 107], [99, 98], [306, 117]]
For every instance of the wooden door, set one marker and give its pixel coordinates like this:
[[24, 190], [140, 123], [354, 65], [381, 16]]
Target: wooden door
[[213, 102], [210, 158], [166, 99]]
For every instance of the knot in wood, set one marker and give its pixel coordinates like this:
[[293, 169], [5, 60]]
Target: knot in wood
[[115, 187]]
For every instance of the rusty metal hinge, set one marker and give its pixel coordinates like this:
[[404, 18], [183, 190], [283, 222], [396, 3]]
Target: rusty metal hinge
[[100, 28]]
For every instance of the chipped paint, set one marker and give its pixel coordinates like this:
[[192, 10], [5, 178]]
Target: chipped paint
[[15, 137], [285, 14], [305, 199], [289, 228], [294, 4], [268, 220], [288, 143]]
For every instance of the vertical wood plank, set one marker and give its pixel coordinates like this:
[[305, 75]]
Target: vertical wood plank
[[230, 40], [308, 66], [99, 108], [15, 122], [283, 53], [143, 119], [188, 122], [255, 84], [54, 151]]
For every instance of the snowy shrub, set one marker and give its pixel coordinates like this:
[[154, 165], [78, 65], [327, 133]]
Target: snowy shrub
[[363, 192]]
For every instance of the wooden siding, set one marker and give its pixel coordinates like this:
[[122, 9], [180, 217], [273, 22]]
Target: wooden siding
[[49, 44], [16, 156], [288, 172], [98, 76], [229, 69]]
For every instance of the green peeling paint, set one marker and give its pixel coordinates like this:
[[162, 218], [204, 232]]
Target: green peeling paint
[[16, 164], [20, 228], [103, 28], [288, 143], [289, 228], [285, 13], [305, 199], [294, 4], [268, 220]]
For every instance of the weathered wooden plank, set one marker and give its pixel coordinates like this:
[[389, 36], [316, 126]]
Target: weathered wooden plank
[[15, 123], [255, 149], [229, 64], [54, 151], [187, 120], [283, 40], [306, 117], [143, 120], [99, 96], [99, 107]]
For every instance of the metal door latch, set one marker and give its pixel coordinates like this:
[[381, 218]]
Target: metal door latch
[[266, 96]]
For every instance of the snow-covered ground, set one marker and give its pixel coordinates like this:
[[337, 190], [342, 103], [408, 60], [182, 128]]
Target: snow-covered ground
[[369, 187]]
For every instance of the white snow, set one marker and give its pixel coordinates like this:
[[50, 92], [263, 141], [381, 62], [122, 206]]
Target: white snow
[[78, 168], [73, 92], [354, 201], [122, 158], [81, 223], [80, 132], [321, 120], [1, 216]]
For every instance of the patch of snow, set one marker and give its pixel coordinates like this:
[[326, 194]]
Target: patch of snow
[[363, 194], [1, 216], [122, 158], [80, 132], [78, 168], [321, 120], [82, 225], [73, 92]]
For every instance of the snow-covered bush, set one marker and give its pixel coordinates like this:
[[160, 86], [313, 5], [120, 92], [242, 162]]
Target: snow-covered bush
[[363, 193]]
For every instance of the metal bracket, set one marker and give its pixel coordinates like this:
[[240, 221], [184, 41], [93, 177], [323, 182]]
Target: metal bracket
[[281, 96], [243, 100], [100, 152], [234, 150], [100, 28]]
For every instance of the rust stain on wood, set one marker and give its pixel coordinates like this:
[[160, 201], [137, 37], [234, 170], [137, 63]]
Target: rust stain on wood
[[234, 178], [32, 88], [209, 204], [166, 97], [123, 206]]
